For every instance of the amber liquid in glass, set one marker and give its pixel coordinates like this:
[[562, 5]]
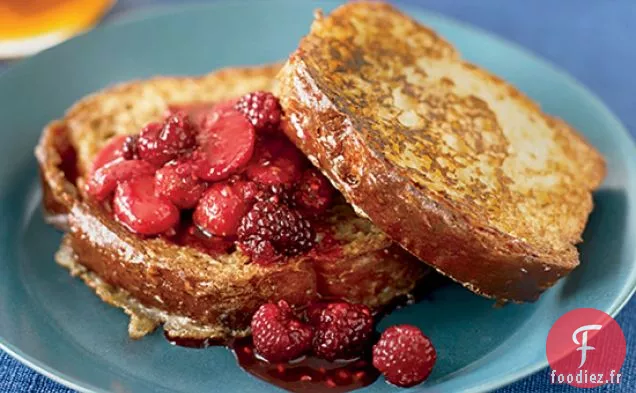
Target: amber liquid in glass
[[23, 22]]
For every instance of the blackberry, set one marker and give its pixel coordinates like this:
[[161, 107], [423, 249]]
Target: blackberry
[[271, 229], [262, 109]]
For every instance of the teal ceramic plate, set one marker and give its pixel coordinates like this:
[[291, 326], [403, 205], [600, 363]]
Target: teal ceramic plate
[[54, 324]]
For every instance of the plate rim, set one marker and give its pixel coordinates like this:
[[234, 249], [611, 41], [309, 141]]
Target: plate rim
[[154, 11]]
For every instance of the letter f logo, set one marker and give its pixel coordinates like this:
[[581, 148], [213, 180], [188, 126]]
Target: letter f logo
[[583, 344]]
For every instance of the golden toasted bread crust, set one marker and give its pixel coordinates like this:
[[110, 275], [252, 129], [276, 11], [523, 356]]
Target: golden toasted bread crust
[[453, 163], [193, 293]]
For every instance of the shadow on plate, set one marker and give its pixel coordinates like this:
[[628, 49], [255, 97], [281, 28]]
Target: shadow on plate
[[603, 241]]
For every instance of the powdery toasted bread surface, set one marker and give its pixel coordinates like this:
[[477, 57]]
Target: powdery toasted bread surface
[[193, 293], [453, 163]]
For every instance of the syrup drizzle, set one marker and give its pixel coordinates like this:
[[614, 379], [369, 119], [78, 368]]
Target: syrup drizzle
[[308, 374]]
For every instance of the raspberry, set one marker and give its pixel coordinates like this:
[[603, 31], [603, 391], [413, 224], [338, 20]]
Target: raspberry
[[274, 193], [262, 109], [138, 209], [160, 143], [404, 355], [104, 180], [176, 182], [251, 191], [314, 193], [271, 229], [178, 133], [279, 194], [342, 330], [278, 336], [221, 209], [148, 145]]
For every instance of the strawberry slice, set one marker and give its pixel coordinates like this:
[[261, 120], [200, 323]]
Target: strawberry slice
[[138, 209], [197, 111], [276, 162], [226, 143], [103, 182], [221, 209], [113, 150]]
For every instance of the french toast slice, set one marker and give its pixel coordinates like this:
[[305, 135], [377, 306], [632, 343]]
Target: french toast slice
[[195, 294], [453, 163]]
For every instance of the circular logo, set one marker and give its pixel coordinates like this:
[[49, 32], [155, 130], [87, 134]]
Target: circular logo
[[585, 348]]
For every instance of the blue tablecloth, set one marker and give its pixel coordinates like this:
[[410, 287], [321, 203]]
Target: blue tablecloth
[[592, 39]]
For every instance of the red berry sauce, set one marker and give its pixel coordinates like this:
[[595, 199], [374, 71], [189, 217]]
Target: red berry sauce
[[308, 374], [230, 173]]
